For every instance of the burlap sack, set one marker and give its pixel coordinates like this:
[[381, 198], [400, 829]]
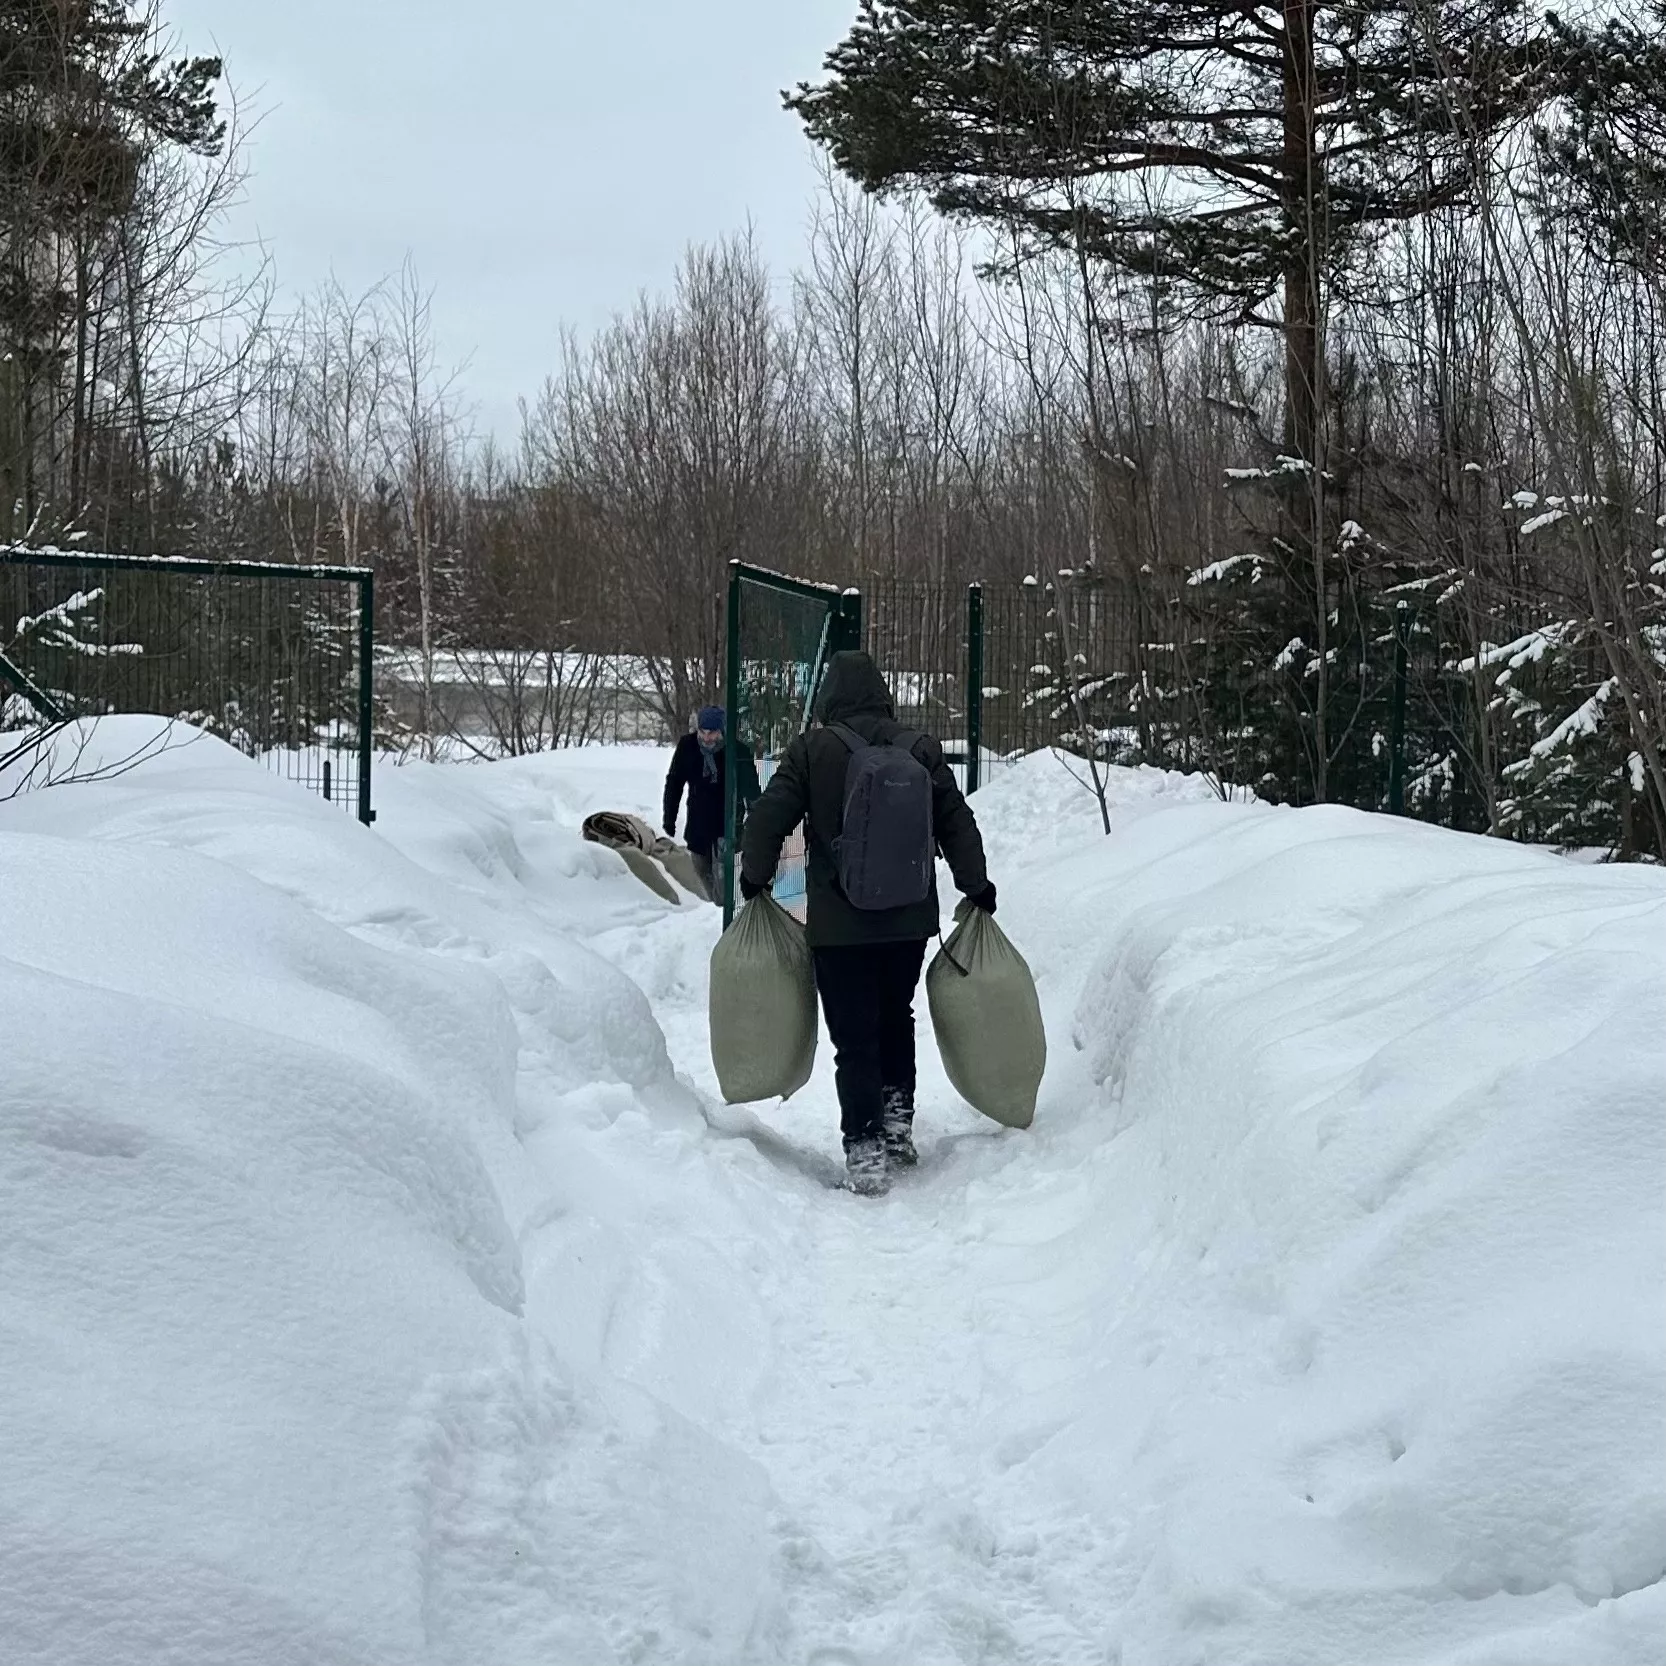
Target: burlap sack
[[678, 861], [649, 872], [987, 1017], [647, 854], [763, 1005]]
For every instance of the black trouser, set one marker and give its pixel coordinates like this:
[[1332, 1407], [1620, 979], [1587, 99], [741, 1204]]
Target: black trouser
[[709, 872], [867, 993]]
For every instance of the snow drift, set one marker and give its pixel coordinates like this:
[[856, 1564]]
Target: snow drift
[[384, 1283], [1384, 1352], [271, 1391]]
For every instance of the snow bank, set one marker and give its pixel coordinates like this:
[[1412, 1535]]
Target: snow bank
[[1364, 1139], [274, 1193], [383, 1283]]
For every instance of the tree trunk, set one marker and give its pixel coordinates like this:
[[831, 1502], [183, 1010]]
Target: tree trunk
[[1302, 217], [1303, 354], [81, 398]]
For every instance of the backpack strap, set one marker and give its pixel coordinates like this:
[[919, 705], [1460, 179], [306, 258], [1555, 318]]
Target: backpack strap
[[908, 739]]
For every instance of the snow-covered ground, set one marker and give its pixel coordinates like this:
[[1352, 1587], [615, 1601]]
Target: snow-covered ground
[[381, 1282]]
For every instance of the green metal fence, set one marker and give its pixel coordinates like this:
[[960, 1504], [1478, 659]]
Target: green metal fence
[[781, 633], [276, 660], [1061, 667], [995, 672], [929, 641], [1091, 666]]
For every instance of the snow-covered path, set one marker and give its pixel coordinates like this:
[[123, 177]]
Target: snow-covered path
[[994, 1399], [385, 1285], [895, 1415]]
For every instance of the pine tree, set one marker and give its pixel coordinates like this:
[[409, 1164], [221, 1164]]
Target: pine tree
[[85, 99], [1240, 158], [1604, 187], [1275, 137], [1608, 147]]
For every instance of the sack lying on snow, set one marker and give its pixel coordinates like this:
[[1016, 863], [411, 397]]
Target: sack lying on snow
[[648, 855], [988, 1019], [763, 1005], [649, 872], [678, 861]]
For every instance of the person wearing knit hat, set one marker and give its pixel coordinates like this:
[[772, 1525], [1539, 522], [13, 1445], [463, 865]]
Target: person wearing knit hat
[[698, 767]]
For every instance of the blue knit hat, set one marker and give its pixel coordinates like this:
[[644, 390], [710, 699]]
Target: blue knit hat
[[711, 717]]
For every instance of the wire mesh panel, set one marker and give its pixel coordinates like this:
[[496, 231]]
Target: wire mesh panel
[[781, 632], [1065, 667], [1091, 666], [918, 636], [995, 672], [1436, 767], [1214, 679], [275, 660]]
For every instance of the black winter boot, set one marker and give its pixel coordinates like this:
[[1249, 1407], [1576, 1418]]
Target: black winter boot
[[865, 1170], [899, 1128]]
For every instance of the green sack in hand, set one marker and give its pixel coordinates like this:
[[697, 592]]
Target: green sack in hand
[[763, 1005], [987, 1017]]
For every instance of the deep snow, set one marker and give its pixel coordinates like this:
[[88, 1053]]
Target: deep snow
[[383, 1283]]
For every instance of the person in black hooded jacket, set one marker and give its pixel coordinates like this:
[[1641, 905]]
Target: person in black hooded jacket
[[867, 961]]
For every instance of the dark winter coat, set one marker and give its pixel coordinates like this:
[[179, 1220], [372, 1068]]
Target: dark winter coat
[[704, 827], [809, 786]]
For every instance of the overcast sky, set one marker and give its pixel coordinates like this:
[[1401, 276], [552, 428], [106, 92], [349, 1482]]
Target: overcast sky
[[543, 160]]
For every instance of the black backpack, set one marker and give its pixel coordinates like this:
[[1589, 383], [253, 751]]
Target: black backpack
[[885, 850]]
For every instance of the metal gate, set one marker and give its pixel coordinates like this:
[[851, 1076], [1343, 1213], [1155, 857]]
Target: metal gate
[[781, 633], [274, 659]]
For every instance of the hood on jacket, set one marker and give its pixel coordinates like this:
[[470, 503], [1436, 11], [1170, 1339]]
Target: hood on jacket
[[852, 687]]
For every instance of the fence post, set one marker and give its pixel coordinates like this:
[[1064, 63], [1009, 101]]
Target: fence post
[[367, 691], [848, 614], [974, 687], [1397, 720], [731, 743]]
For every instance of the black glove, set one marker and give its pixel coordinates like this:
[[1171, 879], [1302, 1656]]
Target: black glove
[[748, 890], [985, 899]]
